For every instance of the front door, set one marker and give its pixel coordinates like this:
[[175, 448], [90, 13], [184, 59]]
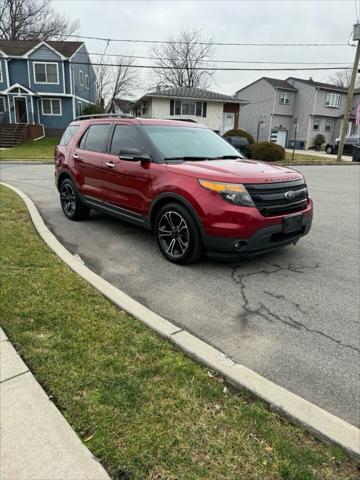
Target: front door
[[127, 182], [20, 110], [228, 121]]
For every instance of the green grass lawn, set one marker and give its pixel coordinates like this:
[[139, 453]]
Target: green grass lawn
[[309, 159], [31, 150], [142, 407]]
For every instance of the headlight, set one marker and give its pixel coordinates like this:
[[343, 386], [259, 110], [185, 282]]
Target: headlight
[[234, 193]]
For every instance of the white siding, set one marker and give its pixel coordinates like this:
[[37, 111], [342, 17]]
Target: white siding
[[160, 108]]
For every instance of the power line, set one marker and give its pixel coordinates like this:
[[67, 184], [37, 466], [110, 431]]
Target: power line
[[216, 61], [225, 44], [228, 69]]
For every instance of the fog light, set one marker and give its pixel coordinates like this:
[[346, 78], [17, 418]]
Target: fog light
[[240, 244]]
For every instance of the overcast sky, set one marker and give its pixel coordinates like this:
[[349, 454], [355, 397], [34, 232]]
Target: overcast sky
[[224, 21]]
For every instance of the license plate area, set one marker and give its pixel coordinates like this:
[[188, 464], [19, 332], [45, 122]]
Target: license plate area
[[292, 223]]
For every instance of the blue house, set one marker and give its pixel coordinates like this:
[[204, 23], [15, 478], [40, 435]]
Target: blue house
[[44, 83]]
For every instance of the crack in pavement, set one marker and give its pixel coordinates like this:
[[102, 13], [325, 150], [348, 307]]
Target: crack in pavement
[[266, 313]]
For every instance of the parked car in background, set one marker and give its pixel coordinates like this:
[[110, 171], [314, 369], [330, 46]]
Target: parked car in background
[[348, 146], [241, 144], [182, 181]]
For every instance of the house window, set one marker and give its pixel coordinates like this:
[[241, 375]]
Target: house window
[[81, 78], [188, 108], [87, 82], [284, 98], [80, 108], [333, 100], [316, 124], [51, 106], [46, 73], [2, 105], [328, 125], [1, 77]]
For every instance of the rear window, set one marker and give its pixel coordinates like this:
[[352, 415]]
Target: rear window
[[68, 134], [95, 138]]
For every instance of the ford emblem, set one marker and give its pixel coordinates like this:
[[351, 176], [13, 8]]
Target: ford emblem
[[290, 195]]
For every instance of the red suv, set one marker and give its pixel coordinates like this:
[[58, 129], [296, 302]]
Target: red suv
[[184, 182]]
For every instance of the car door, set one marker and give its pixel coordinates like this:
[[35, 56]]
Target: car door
[[127, 182], [88, 159]]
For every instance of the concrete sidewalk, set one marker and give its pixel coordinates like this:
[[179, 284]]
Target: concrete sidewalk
[[36, 441]]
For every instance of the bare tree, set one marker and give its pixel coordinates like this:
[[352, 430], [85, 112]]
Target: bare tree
[[342, 79], [115, 77], [180, 59], [32, 20]]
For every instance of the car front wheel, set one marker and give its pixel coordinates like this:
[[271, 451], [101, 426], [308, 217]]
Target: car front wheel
[[177, 235], [71, 203], [329, 149]]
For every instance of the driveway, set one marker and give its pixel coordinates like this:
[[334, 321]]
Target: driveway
[[292, 315]]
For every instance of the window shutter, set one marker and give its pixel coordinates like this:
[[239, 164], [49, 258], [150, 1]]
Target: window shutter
[[171, 107], [198, 109], [204, 109]]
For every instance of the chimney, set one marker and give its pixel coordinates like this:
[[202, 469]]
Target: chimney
[[158, 88]]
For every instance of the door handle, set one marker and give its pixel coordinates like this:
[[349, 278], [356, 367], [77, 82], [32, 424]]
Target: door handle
[[110, 164], [75, 156]]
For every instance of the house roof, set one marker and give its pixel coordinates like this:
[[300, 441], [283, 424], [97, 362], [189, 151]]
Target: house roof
[[326, 86], [193, 93], [20, 47], [275, 82]]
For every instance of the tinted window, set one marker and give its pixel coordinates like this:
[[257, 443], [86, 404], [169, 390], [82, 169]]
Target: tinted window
[[125, 136], [95, 138], [68, 134]]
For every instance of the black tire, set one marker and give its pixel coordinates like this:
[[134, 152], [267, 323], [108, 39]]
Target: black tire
[[70, 201], [329, 149], [178, 235]]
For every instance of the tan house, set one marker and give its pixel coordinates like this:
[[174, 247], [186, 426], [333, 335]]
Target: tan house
[[214, 110]]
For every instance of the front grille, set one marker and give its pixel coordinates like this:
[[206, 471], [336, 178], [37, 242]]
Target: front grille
[[274, 199]]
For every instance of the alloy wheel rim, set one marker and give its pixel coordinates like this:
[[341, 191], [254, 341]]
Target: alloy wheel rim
[[68, 199], [173, 234]]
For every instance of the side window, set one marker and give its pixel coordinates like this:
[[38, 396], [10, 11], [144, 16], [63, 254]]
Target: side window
[[124, 137], [68, 134], [95, 138]]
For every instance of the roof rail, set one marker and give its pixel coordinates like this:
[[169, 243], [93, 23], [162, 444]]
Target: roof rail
[[103, 115]]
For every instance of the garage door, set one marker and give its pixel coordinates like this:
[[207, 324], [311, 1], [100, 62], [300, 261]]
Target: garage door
[[279, 137]]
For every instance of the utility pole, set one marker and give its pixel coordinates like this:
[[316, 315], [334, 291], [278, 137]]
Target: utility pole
[[356, 37]]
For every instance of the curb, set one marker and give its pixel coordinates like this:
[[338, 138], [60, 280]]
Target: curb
[[320, 423]]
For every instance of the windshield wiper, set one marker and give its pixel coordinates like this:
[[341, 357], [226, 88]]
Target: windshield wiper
[[226, 157], [194, 159]]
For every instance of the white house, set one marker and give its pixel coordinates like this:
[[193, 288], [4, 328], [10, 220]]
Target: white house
[[214, 110]]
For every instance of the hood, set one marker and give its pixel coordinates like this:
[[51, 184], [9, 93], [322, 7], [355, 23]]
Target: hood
[[237, 171]]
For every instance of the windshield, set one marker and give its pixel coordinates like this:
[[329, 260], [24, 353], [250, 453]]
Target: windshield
[[189, 143]]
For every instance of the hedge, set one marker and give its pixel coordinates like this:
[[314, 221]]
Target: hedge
[[267, 151]]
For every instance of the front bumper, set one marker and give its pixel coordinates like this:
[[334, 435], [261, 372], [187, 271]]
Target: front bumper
[[264, 240]]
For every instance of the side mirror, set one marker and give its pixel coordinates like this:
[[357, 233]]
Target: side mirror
[[134, 155]]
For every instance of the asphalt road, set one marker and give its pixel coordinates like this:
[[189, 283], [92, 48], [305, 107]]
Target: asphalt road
[[292, 315]]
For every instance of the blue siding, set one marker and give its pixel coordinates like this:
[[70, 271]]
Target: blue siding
[[18, 72], [81, 91], [3, 84], [57, 121]]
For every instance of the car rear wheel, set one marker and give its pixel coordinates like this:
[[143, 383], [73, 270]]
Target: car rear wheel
[[329, 149], [71, 203], [177, 235]]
